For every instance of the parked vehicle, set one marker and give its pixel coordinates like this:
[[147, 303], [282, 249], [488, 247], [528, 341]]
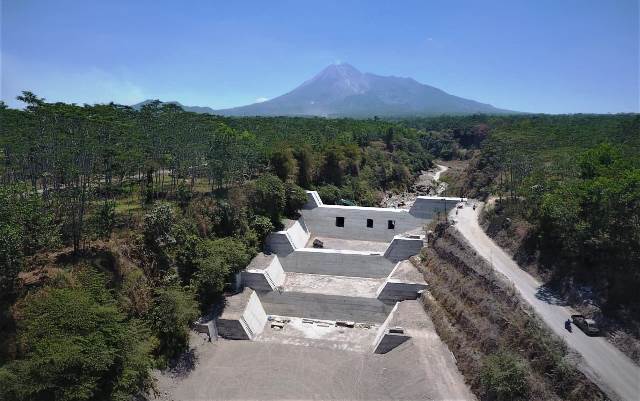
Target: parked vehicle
[[589, 326]]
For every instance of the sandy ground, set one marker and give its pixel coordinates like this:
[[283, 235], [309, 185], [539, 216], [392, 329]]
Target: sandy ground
[[604, 364], [420, 369]]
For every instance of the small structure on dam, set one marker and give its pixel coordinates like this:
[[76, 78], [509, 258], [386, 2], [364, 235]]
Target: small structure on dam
[[343, 295]]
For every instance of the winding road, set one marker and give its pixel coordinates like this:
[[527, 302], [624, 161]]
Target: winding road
[[604, 364]]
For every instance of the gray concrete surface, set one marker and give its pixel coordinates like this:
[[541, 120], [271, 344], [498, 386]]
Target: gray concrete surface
[[350, 244], [332, 285], [322, 334], [420, 369], [329, 307], [337, 263], [603, 363]]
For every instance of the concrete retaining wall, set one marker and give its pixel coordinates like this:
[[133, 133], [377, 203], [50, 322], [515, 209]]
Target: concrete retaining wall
[[286, 241], [255, 316], [321, 221], [275, 272], [395, 290], [402, 248], [264, 279], [232, 329], [386, 341], [427, 207], [337, 263], [298, 233], [246, 323]]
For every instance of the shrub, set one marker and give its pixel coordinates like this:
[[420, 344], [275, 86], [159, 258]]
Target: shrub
[[330, 194], [262, 226], [504, 376], [106, 218], [173, 310], [210, 279], [75, 345], [268, 197], [295, 198], [158, 224]]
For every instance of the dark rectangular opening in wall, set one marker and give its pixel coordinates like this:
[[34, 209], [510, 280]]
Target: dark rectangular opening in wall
[[370, 223], [339, 221], [391, 224]]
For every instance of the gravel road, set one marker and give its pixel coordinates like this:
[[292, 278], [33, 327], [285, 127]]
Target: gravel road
[[604, 364]]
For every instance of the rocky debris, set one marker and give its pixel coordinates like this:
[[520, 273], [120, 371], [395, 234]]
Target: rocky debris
[[425, 185]]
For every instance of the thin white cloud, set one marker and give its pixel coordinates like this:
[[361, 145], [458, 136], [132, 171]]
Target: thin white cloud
[[261, 99], [93, 85]]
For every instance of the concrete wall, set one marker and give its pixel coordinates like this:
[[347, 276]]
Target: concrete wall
[[396, 290], [298, 233], [286, 241], [320, 219], [402, 248], [279, 243], [275, 272], [266, 279], [386, 341], [390, 341], [232, 329], [313, 200], [254, 316], [337, 262], [427, 207], [321, 222], [245, 325]]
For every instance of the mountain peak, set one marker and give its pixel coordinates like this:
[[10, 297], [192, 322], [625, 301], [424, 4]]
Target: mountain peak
[[342, 68], [336, 72], [341, 90]]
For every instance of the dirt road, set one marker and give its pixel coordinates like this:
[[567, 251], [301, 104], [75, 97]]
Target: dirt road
[[441, 169], [607, 367]]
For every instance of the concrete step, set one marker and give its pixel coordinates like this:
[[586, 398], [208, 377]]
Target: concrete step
[[326, 307]]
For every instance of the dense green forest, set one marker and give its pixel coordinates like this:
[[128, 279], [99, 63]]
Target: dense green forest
[[569, 203], [118, 227]]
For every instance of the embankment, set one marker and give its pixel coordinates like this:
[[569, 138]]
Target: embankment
[[482, 319]]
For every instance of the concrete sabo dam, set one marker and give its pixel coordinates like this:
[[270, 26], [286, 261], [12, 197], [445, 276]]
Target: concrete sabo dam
[[349, 294]]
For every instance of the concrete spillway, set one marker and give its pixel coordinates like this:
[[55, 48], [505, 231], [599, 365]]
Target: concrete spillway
[[326, 307], [356, 271]]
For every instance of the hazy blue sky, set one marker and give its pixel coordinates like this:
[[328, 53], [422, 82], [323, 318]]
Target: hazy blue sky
[[552, 56]]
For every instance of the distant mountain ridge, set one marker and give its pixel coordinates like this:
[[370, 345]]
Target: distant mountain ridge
[[340, 90], [195, 109]]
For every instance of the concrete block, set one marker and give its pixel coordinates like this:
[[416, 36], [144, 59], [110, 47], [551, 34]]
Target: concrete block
[[395, 290], [264, 273], [403, 247], [243, 317], [313, 200], [427, 207], [388, 336], [288, 240]]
